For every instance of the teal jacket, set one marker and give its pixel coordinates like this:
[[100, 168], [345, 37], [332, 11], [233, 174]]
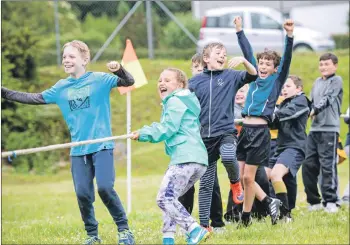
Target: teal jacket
[[179, 128]]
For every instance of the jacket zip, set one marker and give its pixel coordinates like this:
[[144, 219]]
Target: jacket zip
[[264, 106], [257, 87], [210, 92]]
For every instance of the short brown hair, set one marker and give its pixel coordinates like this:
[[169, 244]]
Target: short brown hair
[[82, 48], [208, 48], [329, 56], [270, 55], [197, 59], [180, 75], [296, 80]]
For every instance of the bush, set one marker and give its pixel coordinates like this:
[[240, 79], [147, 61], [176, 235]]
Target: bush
[[174, 36], [341, 41]]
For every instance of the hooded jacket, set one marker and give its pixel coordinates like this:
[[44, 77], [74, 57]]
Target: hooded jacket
[[179, 128], [291, 118]]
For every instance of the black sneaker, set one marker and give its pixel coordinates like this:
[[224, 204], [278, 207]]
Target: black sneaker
[[245, 223], [274, 210], [286, 218]]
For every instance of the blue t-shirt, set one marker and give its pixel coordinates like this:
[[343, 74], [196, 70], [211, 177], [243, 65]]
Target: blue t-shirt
[[85, 105]]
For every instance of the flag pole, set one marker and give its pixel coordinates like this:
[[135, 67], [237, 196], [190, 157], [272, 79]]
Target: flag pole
[[128, 150]]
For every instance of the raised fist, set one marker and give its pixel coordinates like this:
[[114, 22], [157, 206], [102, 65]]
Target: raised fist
[[113, 66]]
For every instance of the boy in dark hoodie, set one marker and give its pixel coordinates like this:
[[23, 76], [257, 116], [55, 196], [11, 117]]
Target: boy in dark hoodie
[[216, 88], [291, 118]]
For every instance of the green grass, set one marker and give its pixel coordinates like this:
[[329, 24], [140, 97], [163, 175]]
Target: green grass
[[45, 211]]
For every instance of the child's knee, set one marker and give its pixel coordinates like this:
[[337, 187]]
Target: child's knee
[[163, 201], [84, 196], [104, 191], [275, 175], [248, 179], [228, 159], [228, 153]]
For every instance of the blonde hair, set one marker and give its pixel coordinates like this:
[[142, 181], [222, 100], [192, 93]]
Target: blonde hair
[[245, 86], [180, 76], [209, 47], [82, 48]]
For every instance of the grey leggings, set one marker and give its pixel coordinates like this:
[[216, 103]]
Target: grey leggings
[[177, 180]]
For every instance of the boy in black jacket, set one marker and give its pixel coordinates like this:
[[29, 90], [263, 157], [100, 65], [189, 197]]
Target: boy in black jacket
[[291, 119]]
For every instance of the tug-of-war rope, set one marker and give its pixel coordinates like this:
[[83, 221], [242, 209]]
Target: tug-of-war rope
[[15, 153], [61, 146]]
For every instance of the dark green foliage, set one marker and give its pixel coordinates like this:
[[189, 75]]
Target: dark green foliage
[[341, 41], [21, 127], [175, 38]]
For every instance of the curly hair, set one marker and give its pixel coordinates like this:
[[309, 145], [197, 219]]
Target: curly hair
[[269, 55]]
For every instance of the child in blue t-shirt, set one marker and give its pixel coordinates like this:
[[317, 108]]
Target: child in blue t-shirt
[[83, 99]]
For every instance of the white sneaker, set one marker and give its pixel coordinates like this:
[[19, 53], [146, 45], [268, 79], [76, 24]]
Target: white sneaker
[[315, 207], [331, 208]]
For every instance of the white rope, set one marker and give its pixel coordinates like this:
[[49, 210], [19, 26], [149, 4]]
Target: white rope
[[68, 145], [61, 146], [72, 144]]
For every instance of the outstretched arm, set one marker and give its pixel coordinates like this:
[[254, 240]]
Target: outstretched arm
[[125, 78], [244, 43], [294, 109], [286, 60], [22, 97], [158, 132]]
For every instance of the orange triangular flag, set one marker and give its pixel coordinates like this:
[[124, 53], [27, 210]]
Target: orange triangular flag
[[132, 65]]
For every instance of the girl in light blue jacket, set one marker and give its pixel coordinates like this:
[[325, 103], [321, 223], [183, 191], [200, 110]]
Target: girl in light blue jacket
[[179, 128]]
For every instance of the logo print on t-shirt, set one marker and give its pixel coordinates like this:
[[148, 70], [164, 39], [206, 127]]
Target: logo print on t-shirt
[[79, 98]]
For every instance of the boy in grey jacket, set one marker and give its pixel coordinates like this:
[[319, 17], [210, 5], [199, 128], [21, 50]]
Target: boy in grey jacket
[[321, 152]]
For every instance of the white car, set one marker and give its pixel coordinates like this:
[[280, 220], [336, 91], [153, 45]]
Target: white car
[[263, 27]]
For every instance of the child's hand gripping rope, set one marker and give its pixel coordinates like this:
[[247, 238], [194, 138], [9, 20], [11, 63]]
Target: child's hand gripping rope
[[135, 135]]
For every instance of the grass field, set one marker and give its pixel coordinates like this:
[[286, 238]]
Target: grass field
[[43, 209]]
